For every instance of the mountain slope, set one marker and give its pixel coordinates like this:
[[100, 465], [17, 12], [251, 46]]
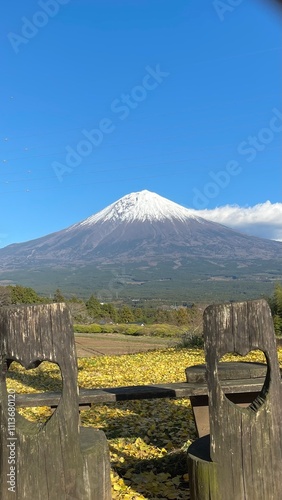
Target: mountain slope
[[146, 246], [139, 227]]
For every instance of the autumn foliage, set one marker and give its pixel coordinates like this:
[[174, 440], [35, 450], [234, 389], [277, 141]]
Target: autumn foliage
[[148, 439]]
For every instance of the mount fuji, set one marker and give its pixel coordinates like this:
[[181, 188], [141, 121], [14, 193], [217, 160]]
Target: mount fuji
[[141, 232]]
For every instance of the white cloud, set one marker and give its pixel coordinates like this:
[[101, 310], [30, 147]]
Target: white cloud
[[263, 220]]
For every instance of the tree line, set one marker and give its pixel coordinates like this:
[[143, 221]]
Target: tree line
[[92, 310], [275, 303]]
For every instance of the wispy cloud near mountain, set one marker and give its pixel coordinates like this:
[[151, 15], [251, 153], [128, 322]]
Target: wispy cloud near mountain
[[263, 220]]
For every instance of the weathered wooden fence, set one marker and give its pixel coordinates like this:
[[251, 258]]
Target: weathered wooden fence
[[240, 460], [242, 457], [58, 460]]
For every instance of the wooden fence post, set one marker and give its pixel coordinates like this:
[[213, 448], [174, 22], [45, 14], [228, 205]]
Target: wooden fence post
[[242, 457], [58, 460]]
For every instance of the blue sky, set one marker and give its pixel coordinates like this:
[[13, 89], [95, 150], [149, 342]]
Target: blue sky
[[102, 98]]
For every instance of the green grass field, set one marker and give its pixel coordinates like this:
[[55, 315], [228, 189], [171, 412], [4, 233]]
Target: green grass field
[[156, 330]]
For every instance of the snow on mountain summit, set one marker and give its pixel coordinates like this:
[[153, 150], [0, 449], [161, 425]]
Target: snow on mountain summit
[[141, 206]]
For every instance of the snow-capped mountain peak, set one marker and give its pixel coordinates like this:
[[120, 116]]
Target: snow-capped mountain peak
[[155, 239], [141, 206]]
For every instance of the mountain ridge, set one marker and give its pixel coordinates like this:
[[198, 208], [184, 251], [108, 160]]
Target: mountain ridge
[[136, 224], [142, 205], [148, 234]]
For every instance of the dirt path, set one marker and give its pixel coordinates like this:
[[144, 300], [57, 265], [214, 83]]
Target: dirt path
[[100, 344]]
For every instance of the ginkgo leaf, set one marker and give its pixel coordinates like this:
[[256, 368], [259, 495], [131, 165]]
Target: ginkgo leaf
[[148, 439]]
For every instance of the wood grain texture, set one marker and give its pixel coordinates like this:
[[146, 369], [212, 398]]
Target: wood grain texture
[[245, 443], [52, 460], [227, 371], [135, 392]]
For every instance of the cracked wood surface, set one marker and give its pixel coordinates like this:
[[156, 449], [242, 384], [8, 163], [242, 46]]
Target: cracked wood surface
[[242, 457], [57, 459]]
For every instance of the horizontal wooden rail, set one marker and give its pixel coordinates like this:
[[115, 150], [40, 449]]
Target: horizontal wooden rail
[[154, 391]]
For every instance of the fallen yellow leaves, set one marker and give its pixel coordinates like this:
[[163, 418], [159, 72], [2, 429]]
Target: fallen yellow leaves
[[148, 439]]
